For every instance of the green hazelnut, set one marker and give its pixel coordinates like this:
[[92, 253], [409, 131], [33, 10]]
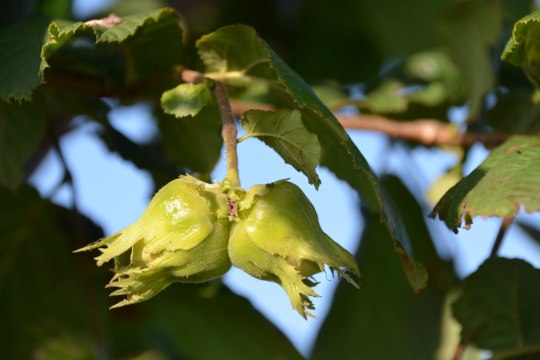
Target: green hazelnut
[[181, 237], [277, 237]]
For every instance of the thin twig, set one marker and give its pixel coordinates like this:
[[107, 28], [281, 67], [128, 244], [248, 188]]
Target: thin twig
[[507, 220], [228, 132], [66, 179], [424, 131]]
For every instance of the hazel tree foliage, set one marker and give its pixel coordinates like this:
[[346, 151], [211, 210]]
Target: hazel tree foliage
[[299, 78]]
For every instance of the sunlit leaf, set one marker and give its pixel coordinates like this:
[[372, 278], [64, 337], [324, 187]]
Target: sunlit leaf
[[523, 48], [186, 99], [500, 186], [283, 131], [237, 56]]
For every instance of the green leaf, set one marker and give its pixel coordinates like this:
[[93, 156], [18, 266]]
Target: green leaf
[[351, 31], [283, 131], [470, 30], [57, 8], [523, 48], [361, 323], [387, 98], [186, 99], [192, 142], [49, 295], [500, 186], [515, 112], [104, 55], [237, 56], [21, 69], [498, 310], [185, 319], [22, 127]]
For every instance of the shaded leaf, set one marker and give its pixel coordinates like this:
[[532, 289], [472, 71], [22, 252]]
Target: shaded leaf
[[499, 306], [21, 68], [185, 99], [239, 57], [523, 48], [354, 39], [192, 142], [22, 126], [52, 296], [283, 131], [185, 319], [500, 186], [57, 8], [104, 55], [515, 111], [470, 30], [361, 323]]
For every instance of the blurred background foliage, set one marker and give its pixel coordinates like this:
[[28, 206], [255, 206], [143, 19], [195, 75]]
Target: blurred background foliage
[[402, 60]]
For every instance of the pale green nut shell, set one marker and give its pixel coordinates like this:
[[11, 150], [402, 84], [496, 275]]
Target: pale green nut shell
[[278, 238], [181, 237]]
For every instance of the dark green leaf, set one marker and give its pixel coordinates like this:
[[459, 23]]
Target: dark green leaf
[[353, 40], [363, 322], [105, 56], [470, 30], [500, 186], [21, 68], [22, 127], [283, 131], [50, 296], [192, 142], [186, 99], [515, 111], [126, 7], [207, 322], [57, 8], [239, 57], [499, 306]]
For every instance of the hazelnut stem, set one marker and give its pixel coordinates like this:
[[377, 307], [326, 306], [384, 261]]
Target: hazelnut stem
[[228, 132]]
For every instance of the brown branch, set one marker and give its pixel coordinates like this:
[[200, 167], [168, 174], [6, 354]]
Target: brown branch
[[424, 131]]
